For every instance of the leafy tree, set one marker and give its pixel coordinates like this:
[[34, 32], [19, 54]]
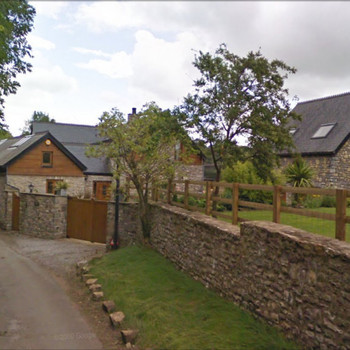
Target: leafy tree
[[4, 134], [16, 21], [240, 98], [140, 149], [37, 116]]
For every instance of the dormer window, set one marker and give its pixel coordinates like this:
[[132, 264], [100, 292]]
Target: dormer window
[[323, 131]]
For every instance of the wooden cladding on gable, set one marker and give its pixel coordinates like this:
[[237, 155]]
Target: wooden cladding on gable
[[44, 159]]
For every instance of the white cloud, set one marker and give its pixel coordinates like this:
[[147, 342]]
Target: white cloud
[[40, 43], [163, 68], [43, 89], [118, 66], [98, 53], [112, 16], [51, 9], [157, 69], [49, 79]]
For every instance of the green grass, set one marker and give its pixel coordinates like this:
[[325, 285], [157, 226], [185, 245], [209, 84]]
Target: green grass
[[172, 311], [313, 225]]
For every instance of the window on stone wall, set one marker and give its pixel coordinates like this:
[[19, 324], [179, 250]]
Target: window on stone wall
[[51, 186], [47, 159]]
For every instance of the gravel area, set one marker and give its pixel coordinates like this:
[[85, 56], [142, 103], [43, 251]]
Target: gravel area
[[60, 255]]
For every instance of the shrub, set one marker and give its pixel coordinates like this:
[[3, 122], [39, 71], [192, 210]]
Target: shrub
[[313, 202], [328, 202], [246, 173]]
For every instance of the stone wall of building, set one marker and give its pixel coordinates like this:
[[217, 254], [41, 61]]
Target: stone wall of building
[[76, 184], [296, 281], [329, 171], [89, 183], [43, 215], [192, 173]]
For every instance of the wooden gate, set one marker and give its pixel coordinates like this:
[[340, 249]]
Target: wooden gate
[[87, 219], [15, 212]]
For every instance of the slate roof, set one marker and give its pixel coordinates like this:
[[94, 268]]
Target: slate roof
[[9, 152], [69, 133], [75, 138], [326, 110], [96, 166]]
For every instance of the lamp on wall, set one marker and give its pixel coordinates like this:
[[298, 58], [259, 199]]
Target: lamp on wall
[[31, 188]]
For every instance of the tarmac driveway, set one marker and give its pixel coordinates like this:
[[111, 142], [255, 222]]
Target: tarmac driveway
[[35, 311]]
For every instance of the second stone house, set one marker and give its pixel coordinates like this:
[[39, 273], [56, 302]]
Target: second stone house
[[322, 139]]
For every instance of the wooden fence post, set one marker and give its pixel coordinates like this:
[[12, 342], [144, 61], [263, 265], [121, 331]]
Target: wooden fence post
[[277, 204], [340, 223], [186, 194], [169, 191], [207, 198], [235, 199]]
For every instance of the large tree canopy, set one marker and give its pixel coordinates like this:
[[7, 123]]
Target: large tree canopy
[[239, 98], [16, 21], [141, 149]]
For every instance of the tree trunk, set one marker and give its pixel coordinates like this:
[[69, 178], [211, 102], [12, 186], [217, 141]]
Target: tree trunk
[[145, 221], [144, 211], [217, 189]]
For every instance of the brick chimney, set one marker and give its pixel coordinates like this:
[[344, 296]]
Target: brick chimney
[[130, 115]]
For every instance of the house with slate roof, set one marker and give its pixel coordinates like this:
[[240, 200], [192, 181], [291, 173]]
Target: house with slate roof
[[56, 152], [75, 138], [51, 154], [322, 139]]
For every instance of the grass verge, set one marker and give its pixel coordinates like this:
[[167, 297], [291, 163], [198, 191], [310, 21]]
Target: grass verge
[[172, 311]]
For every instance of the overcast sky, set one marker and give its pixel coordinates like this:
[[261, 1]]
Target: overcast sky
[[92, 56]]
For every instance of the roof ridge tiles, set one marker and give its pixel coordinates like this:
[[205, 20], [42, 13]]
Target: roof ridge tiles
[[325, 98], [69, 124]]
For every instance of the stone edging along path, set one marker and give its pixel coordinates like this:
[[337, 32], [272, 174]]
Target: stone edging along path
[[128, 336]]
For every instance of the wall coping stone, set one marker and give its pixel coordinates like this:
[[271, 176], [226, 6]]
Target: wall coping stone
[[332, 247], [201, 219]]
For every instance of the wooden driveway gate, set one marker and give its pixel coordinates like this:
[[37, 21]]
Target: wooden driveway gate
[[87, 219]]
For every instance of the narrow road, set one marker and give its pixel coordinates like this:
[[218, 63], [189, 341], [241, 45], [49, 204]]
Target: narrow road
[[35, 312]]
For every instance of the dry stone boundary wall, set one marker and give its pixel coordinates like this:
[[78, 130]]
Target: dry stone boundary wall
[[296, 281]]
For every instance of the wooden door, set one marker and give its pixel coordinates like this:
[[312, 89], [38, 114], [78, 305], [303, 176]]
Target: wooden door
[[102, 190], [15, 212]]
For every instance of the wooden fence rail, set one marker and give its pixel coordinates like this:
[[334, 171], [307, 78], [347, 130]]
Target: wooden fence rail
[[205, 190]]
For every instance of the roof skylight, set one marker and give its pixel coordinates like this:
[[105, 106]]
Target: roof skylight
[[21, 141], [323, 131]]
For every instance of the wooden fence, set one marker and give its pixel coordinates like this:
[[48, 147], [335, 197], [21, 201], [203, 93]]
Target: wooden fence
[[210, 191]]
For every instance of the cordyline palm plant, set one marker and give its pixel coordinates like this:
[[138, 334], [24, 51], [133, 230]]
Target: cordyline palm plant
[[299, 174]]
